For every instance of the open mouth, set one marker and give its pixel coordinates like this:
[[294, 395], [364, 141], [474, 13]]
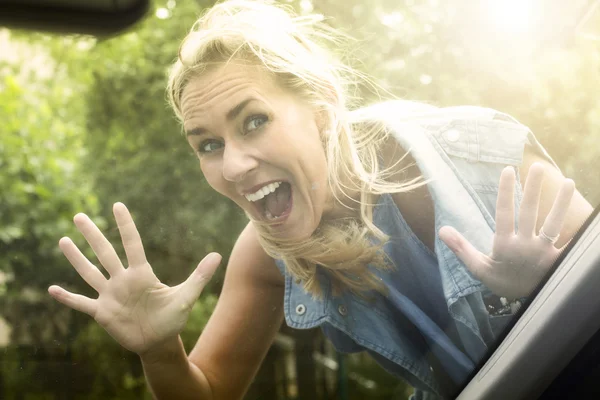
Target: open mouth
[[276, 206]]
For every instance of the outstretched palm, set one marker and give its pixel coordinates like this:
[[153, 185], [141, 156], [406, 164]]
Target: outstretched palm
[[133, 306], [519, 260]]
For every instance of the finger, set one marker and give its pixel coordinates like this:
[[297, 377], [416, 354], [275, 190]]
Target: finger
[[505, 203], [556, 217], [473, 259], [528, 211], [88, 271], [74, 301], [102, 248], [192, 287], [132, 242]]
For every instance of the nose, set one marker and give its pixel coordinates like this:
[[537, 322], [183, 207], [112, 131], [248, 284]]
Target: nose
[[237, 162]]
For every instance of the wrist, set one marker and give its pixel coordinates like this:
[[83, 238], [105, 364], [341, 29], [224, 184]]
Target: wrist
[[167, 352]]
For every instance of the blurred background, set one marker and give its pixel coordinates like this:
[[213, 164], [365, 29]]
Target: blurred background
[[84, 123]]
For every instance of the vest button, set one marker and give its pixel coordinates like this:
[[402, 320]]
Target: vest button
[[342, 310], [452, 135], [300, 309]]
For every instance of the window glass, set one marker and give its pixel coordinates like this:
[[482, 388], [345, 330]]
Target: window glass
[[481, 94]]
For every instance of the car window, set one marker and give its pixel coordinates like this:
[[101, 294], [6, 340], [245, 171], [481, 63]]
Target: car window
[[86, 124]]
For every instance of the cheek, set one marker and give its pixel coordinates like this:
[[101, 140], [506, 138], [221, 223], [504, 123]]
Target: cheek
[[321, 185], [315, 168], [318, 159], [212, 173]]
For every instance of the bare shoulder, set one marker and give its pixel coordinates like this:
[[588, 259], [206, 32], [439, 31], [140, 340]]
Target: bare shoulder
[[248, 254]]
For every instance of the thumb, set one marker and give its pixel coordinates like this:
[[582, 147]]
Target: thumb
[[193, 285], [464, 250], [450, 237]]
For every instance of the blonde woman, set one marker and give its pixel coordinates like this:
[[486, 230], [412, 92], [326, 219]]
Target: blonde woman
[[404, 230]]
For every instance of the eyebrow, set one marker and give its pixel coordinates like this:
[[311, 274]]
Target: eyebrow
[[231, 115]]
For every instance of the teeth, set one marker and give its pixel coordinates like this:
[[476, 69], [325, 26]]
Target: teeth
[[262, 192]]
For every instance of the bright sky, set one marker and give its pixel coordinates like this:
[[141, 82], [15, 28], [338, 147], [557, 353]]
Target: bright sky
[[512, 16]]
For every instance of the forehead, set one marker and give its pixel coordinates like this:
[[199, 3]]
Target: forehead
[[218, 88]]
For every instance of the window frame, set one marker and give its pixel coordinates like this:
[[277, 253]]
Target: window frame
[[547, 333]]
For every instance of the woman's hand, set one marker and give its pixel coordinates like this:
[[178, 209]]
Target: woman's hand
[[519, 260], [133, 306]]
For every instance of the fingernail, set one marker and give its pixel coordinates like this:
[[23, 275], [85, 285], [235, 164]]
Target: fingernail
[[213, 257]]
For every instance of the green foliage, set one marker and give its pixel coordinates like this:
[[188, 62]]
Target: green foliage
[[43, 186], [85, 123], [198, 319], [93, 130]]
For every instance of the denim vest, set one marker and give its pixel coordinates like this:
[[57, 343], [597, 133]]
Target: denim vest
[[463, 151]]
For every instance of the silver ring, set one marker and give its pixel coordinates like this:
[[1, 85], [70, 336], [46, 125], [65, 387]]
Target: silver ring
[[549, 239]]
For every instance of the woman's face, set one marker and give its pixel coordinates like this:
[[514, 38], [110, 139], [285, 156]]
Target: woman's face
[[260, 146]]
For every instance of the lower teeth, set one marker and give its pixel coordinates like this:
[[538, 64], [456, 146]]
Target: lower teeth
[[269, 215]]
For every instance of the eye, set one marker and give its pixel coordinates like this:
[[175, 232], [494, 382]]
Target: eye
[[254, 122], [209, 146]]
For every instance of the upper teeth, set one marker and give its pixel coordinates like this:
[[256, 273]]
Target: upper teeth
[[263, 191]]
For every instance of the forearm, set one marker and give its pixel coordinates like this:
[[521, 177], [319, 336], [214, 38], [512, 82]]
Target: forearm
[[170, 374]]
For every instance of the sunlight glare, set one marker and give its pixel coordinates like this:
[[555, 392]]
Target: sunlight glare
[[162, 13], [306, 6], [512, 16]]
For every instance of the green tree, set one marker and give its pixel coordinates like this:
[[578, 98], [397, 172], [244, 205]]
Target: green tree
[[42, 188], [85, 123]]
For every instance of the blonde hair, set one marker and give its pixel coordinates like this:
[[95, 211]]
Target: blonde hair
[[293, 49]]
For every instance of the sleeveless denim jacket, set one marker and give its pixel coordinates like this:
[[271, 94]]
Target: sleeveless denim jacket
[[462, 150]]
